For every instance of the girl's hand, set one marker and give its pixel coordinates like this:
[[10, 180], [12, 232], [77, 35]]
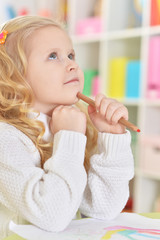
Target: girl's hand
[[107, 113], [68, 118]]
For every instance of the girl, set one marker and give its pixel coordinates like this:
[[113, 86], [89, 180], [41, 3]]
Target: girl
[[49, 163]]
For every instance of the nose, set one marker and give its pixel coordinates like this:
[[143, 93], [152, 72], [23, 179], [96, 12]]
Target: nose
[[71, 66]]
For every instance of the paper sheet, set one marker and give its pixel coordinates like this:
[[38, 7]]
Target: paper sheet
[[127, 226]]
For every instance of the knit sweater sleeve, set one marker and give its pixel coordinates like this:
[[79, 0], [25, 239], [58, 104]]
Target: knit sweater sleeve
[[48, 197], [107, 189]]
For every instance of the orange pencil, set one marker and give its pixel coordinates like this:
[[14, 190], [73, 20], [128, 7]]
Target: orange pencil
[[122, 120]]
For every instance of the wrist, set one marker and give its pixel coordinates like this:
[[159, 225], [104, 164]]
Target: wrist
[[114, 130], [114, 143]]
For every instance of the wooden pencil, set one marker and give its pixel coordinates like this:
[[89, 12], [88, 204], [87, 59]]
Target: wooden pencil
[[122, 120]]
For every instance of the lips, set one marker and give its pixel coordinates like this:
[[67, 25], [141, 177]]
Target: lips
[[72, 80]]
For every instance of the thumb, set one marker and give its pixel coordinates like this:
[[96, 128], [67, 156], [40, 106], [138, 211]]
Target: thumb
[[92, 113], [91, 110]]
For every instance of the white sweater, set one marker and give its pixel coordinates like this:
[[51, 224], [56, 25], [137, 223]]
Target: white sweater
[[50, 197]]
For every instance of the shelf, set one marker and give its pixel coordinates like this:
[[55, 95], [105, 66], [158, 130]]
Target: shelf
[[154, 30], [147, 174], [141, 102], [115, 35], [152, 103], [118, 40], [131, 102]]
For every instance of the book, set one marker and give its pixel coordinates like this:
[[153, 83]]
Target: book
[[155, 13], [117, 77], [133, 79], [89, 75], [153, 84], [125, 226]]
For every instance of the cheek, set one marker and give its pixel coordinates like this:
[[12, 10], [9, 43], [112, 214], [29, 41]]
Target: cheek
[[81, 77], [36, 80]]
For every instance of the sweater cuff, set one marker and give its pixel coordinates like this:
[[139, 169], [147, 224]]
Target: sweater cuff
[[70, 142], [114, 144]]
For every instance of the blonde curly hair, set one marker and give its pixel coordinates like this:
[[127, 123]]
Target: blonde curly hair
[[16, 95]]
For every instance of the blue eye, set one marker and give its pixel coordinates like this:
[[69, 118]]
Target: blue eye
[[53, 55], [71, 56]]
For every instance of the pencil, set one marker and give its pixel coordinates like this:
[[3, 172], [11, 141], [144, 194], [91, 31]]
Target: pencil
[[121, 120]]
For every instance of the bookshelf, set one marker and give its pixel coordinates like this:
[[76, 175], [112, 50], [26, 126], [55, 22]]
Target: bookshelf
[[124, 32], [124, 36]]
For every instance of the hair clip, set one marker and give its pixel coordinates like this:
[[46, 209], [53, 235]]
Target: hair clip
[[3, 36]]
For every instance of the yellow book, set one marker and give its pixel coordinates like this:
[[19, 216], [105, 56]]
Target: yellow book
[[117, 77]]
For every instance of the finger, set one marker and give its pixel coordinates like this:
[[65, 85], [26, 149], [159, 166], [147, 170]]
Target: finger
[[91, 109], [57, 108], [98, 99], [68, 107], [112, 107], [92, 113], [104, 104], [76, 108], [118, 114], [60, 108]]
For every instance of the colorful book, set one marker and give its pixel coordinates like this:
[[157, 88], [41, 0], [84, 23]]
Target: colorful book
[[153, 85], [89, 75], [155, 13], [117, 76], [133, 79], [96, 85]]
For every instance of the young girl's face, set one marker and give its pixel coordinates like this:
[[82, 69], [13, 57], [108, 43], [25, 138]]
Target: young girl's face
[[52, 71]]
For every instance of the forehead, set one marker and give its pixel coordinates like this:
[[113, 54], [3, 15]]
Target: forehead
[[48, 37]]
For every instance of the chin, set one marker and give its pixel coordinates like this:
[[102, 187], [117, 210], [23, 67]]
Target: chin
[[72, 98], [76, 100], [72, 101]]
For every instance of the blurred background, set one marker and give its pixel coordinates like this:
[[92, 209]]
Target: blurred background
[[117, 44]]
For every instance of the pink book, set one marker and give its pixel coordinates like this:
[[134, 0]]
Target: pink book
[[95, 86], [153, 85]]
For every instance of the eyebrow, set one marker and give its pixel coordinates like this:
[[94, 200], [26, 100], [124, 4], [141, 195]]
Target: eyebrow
[[57, 49]]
